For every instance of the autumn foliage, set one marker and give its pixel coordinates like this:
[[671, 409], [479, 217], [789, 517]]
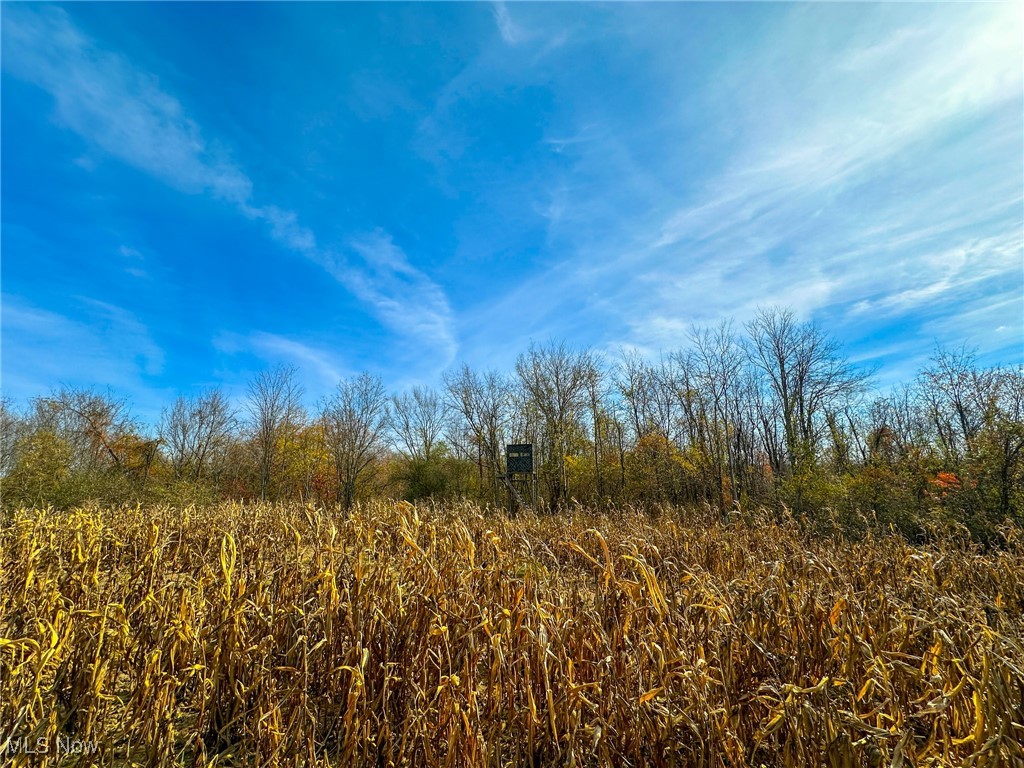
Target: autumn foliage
[[771, 416]]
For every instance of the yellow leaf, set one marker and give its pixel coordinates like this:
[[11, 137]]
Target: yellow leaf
[[979, 717], [868, 685], [651, 694]]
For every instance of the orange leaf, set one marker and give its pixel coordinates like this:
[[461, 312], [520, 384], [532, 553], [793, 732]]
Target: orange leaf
[[837, 611], [651, 694]]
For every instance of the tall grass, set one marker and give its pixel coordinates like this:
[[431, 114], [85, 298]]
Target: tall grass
[[444, 636]]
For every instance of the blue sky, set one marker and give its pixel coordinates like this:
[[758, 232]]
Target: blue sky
[[193, 192]]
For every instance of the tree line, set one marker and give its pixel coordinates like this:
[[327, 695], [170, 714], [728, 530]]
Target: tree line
[[767, 415]]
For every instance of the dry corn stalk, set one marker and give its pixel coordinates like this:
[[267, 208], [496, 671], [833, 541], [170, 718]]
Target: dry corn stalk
[[446, 636]]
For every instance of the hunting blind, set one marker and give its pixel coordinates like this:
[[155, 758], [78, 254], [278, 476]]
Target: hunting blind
[[519, 458], [519, 471]]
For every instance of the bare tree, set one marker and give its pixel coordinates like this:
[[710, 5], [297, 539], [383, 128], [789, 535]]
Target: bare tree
[[556, 377], [595, 391], [651, 393], [718, 362], [481, 403], [95, 425], [897, 424], [634, 380], [275, 410], [1010, 436], [12, 425], [960, 398], [805, 374], [355, 421], [193, 430], [418, 420]]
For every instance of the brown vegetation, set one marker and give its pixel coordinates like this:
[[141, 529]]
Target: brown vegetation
[[448, 636]]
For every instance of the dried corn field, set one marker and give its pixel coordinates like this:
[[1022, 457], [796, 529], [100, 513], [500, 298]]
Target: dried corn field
[[285, 635]]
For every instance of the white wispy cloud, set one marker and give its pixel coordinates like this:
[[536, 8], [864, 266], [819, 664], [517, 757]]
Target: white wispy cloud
[[274, 348], [403, 297], [956, 70], [126, 113], [130, 253], [121, 110], [41, 347], [285, 228], [510, 32], [950, 271], [515, 34], [881, 167], [123, 329]]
